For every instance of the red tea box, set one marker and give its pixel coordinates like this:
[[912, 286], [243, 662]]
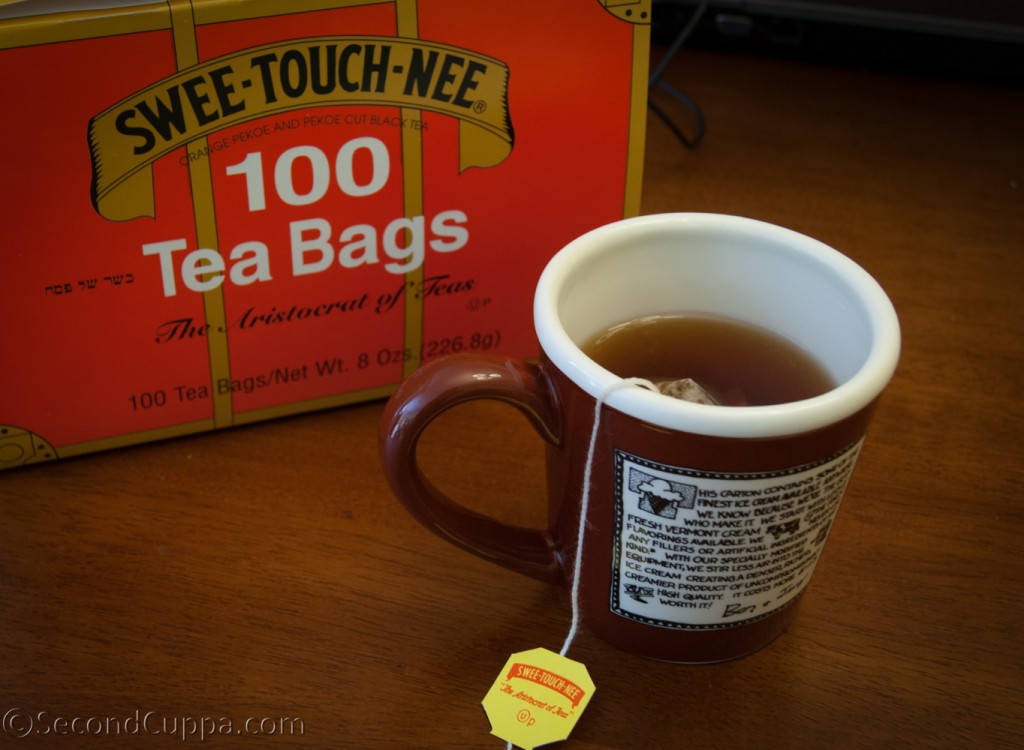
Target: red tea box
[[222, 211]]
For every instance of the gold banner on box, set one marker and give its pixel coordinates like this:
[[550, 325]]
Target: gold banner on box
[[339, 70]]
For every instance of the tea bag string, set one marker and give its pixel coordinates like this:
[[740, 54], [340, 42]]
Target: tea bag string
[[585, 501], [585, 505], [685, 389]]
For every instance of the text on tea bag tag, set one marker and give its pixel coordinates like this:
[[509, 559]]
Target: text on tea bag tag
[[538, 698]]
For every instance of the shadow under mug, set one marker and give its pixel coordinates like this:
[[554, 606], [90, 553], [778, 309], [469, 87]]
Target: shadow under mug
[[704, 523]]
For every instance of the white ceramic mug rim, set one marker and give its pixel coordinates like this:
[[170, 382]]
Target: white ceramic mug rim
[[846, 399]]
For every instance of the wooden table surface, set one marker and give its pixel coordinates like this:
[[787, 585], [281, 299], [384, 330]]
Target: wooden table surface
[[267, 572]]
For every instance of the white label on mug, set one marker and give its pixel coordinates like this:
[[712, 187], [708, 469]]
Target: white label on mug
[[697, 550]]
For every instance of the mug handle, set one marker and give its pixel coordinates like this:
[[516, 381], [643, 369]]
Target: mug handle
[[423, 396]]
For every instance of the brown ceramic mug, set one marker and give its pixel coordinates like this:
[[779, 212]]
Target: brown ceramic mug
[[713, 568]]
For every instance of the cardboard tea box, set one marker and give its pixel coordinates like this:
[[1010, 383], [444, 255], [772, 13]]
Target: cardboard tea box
[[217, 212]]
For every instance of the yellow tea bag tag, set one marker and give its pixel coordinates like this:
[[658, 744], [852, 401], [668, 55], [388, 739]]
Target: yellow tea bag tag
[[537, 698]]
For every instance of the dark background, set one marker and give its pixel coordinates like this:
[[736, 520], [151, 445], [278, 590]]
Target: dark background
[[980, 40]]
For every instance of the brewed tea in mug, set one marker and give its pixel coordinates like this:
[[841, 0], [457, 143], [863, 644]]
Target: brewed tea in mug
[[736, 363]]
